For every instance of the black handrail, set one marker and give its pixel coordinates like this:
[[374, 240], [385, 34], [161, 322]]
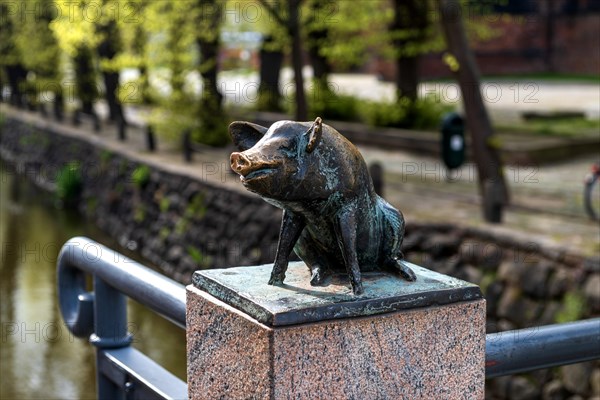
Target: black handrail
[[525, 350], [82, 255], [101, 315]]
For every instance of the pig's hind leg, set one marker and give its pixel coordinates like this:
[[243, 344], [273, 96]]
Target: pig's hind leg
[[345, 231], [393, 233], [399, 266], [307, 249]]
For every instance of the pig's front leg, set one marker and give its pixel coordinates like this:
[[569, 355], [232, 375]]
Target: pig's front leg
[[291, 228], [345, 230]]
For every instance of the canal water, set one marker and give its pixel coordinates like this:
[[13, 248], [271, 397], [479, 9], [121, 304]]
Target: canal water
[[39, 358]]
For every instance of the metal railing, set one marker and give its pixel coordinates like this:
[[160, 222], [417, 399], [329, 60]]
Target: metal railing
[[122, 370], [525, 350]]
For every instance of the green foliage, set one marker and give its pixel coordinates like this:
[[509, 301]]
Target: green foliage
[[71, 28], [105, 157], [181, 225], [91, 205], [195, 253], [211, 129], [164, 233], [141, 176], [123, 166], [36, 139], [8, 35], [383, 113], [354, 31], [573, 308], [425, 113], [164, 204], [173, 58], [27, 41], [199, 258], [139, 213], [327, 104], [568, 127], [68, 182], [486, 281], [196, 207], [172, 117]]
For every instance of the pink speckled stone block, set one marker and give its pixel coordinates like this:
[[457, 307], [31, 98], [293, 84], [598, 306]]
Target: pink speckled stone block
[[426, 353]]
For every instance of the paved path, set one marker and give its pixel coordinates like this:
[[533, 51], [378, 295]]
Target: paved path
[[546, 206], [505, 98]]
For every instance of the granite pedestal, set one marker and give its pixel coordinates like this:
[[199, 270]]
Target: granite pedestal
[[400, 340]]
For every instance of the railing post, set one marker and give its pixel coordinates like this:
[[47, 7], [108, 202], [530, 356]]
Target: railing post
[[43, 111], [150, 142], [110, 332], [187, 146], [121, 371], [96, 122], [76, 117], [122, 128]]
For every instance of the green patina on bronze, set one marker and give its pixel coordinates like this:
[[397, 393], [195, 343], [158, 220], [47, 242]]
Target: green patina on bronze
[[296, 301], [332, 217]]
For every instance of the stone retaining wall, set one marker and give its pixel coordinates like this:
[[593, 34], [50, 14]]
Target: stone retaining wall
[[525, 285], [177, 223], [181, 224]]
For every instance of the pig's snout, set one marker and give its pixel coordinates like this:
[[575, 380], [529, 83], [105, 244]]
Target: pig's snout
[[240, 163]]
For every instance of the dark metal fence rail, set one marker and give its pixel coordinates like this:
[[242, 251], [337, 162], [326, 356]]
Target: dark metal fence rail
[[101, 315], [524, 350], [123, 371]]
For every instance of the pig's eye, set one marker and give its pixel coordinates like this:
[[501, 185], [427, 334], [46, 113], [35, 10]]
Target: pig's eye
[[289, 149]]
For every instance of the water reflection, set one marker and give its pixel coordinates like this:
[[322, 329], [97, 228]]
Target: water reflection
[[39, 358]]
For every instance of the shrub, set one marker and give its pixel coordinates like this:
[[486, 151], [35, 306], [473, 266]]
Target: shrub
[[425, 113], [68, 182], [185, 112], [573, 308], [329, 105], [141, 176], [382, 113]]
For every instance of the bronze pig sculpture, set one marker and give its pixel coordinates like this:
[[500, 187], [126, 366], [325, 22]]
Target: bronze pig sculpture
[[332, 217]]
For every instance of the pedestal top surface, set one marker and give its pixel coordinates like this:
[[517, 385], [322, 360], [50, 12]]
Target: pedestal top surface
[[296, 301]]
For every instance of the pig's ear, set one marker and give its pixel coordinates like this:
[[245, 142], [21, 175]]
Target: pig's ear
[[315, 135], [246, 134]]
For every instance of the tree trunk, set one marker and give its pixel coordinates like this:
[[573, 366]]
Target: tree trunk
[[85, 79], [408, 26], [317, 35], [108, 49], [407, 78], [270, 66], [212, 128], [492, 185], [208, 71], [209, 51], [16, 75], [297, 62], [111, 85], [59, 105]]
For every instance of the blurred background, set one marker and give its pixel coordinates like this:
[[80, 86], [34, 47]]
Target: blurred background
[[480, 120]]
